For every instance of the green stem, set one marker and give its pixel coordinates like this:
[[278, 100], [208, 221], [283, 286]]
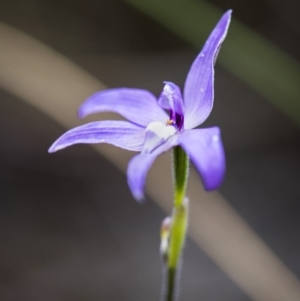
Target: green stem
[[171, 286], [179, 221], [180, 174]]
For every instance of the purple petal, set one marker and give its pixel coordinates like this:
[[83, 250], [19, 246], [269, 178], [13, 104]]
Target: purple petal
[[139, 166], [138, 106], [119, 133], [199, 85], [205, 149]]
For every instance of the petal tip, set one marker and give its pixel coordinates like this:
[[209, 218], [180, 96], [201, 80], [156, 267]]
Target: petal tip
[[54, 148], [213, 186], [215, 181], [80, 113], [227, 18], [51, 149], [137, 194], [140, 198]]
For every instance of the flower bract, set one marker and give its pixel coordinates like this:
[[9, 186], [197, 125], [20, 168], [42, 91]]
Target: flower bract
[[156, 125]]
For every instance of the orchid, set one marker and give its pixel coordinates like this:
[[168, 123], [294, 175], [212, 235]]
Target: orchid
[[150, 130]]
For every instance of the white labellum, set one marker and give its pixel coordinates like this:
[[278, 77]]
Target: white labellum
[[156, 134]]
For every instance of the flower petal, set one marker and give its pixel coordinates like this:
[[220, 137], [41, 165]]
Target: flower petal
[[139, 166], [119, 133], [137, 105], [205, 149], [199, 85]]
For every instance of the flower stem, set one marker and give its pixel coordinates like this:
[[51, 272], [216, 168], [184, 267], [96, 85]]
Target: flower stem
[[180, 173], [179, 222]]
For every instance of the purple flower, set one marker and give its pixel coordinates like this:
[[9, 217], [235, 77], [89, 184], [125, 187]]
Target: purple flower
[[151, 131]]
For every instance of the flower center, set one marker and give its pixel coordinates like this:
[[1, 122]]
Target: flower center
[[158, 132], [176, 119], [171, 99]]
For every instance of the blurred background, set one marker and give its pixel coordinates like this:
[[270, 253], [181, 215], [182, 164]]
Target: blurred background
[[69, 227]]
